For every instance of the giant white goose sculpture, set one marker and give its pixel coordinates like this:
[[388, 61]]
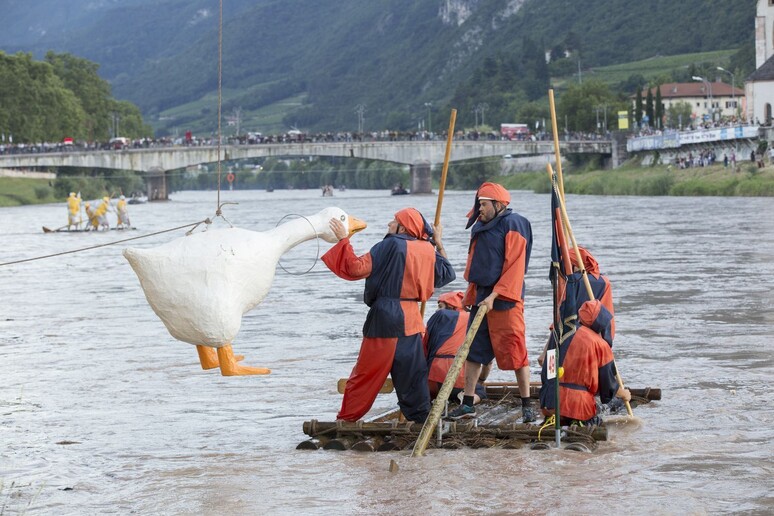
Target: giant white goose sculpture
[[201, 285]]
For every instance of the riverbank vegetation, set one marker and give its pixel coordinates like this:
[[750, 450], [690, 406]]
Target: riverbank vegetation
[[632, 179], [18, 191]]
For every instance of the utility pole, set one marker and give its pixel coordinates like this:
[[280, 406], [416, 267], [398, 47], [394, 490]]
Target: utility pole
[[428, 105], [597, 110], [733, 88], [237, 119], [709, 91], [481, 108], [116, 120], [360, 110]]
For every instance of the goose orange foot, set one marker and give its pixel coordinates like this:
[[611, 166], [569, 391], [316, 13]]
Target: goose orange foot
[[229, 366], [209, 358]]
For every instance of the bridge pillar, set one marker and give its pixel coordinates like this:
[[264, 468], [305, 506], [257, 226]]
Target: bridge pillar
[[620, 153], [156, 184], [421, 178]]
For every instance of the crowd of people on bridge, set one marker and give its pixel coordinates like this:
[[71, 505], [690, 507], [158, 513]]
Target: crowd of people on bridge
[[254, 138]]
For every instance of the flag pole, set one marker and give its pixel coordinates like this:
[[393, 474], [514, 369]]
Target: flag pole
[[558, 329], [442, 185]]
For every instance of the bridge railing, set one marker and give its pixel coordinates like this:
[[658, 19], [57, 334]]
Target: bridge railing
[[676, 139]]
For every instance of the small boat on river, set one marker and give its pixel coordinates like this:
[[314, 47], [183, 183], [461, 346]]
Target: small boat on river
[[65, 230], [495, 426]]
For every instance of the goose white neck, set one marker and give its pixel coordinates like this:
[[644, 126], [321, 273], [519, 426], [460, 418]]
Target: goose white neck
[[295, 231]]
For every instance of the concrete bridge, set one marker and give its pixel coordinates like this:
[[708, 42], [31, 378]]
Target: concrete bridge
[[419, 155]]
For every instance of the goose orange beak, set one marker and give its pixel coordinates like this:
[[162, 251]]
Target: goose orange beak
[[356, 225]]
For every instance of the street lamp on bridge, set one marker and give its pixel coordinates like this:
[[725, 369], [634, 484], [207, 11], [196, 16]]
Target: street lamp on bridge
[[428, 105], [360, 110], [481, 108], [709, 91], [733, 87]]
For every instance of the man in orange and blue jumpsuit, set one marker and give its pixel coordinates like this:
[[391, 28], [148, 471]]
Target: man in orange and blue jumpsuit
[[446, 331], [400, 271], [498, 257], [575, 287], [588, 370]]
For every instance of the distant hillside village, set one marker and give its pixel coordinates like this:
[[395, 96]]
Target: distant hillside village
[[708, 101]]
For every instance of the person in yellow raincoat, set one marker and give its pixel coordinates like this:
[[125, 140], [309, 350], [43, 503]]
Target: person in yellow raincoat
[[73, 211], [101, 213], [123, 213], [91, 214]]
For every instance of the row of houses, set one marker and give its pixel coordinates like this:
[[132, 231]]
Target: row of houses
[[712, 99]]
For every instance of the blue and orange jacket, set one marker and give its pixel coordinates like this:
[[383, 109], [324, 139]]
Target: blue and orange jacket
[[445, 334], [588, 367], [498, 258], [400, 272], [600, 286]]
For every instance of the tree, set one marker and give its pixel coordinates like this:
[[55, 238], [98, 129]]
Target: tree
[[649, 107], [638, 107], [36, 104], [659, 109], [679, 115], [80, 76], [579, 104]]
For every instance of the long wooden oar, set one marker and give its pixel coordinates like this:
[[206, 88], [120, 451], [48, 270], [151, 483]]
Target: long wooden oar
[[49, 230], [557, 153], [386, 387], [442, 186], [585, 277], [448, 384]]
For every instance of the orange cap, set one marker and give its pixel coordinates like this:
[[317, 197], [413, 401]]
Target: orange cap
[[453, 299]]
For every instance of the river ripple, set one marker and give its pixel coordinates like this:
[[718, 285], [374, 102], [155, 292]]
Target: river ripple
[[85, 361]]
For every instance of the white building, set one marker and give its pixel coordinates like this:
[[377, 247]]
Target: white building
[[707, 99], [759, 86]]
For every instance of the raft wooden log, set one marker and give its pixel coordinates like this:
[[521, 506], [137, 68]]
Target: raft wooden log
[[313, 444], [410, 430], [340, 443], [368, 444], [395, 444]]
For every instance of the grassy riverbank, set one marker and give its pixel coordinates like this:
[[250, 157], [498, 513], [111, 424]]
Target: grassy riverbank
[[632, 179], [18, 191]]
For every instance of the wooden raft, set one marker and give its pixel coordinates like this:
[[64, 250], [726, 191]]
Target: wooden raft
[[495, 426]]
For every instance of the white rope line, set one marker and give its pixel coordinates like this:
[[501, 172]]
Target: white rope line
[[205, 221]]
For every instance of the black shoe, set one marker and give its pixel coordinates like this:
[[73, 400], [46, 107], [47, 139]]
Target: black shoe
[[462, 412], [528, 415]]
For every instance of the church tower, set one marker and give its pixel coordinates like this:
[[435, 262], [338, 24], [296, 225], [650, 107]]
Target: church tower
[[764, 32]]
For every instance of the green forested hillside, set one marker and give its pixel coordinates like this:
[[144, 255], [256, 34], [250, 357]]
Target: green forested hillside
[[308, 63]]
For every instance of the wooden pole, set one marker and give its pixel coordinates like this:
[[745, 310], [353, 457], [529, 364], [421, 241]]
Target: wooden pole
[[442, 185], [586, 282], [557, 154], [49, 230], [443, 394]]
